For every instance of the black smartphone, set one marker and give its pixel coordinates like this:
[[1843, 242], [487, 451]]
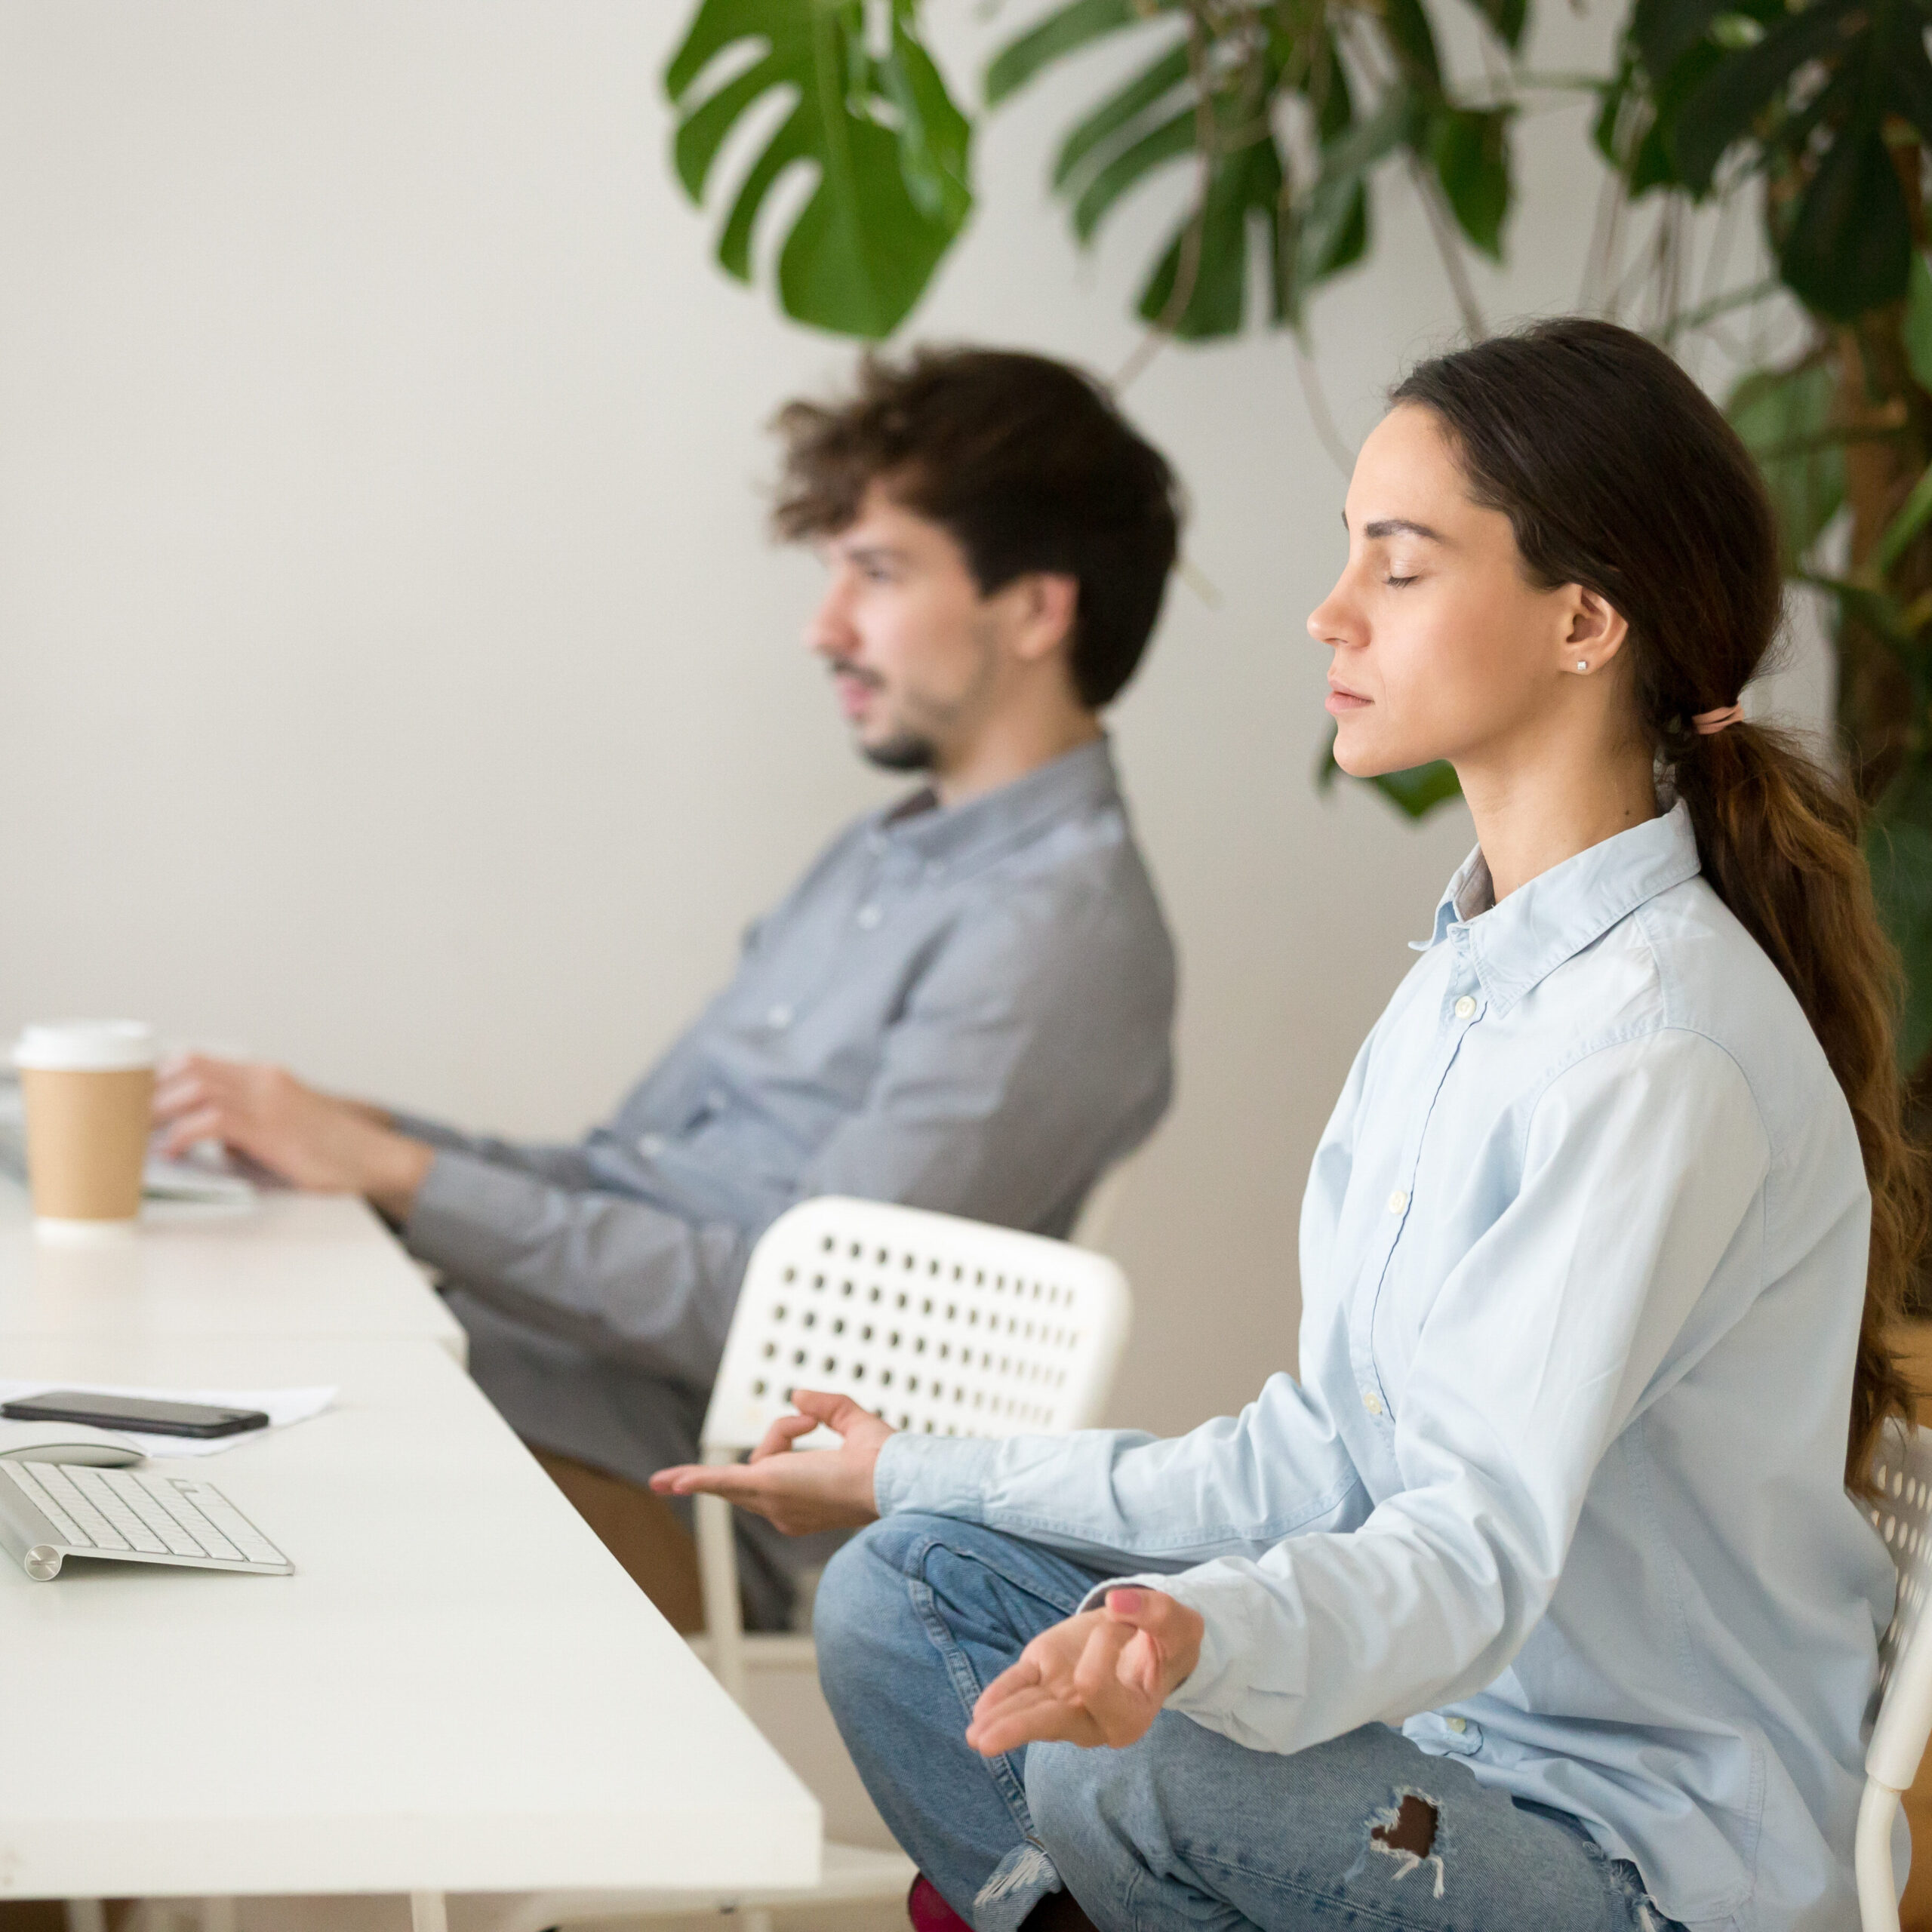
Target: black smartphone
[[133, 1412]]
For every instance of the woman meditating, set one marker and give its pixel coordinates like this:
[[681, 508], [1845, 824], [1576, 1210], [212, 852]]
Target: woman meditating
[[1539, 1602]]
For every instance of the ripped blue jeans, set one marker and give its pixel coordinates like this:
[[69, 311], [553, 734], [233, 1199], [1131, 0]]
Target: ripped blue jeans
[[1186, 1829]]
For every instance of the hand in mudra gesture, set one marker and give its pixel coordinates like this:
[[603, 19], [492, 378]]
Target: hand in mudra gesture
[[799, 1490], [1099, 1678]]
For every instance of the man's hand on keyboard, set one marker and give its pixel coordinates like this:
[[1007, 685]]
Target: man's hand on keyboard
[[311, 1140], [799, 1490]]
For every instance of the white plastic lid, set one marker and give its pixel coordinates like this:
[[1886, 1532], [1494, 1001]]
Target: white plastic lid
[[92, 1046]]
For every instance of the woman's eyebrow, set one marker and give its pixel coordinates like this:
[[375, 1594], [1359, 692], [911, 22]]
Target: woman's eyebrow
[[1401, 526]]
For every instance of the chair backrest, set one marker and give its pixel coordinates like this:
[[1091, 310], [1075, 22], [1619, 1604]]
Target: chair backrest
[[945, 1327], [1903, 1516]]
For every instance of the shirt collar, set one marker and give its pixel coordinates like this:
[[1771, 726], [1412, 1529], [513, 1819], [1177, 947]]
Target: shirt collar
[[1077, 781], [1515, 945]]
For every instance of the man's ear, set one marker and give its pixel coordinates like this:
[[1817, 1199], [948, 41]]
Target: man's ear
[[1595, 629], [1045, 604]]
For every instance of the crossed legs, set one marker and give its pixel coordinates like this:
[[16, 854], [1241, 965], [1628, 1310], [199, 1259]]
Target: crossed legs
[[1184, 1829]]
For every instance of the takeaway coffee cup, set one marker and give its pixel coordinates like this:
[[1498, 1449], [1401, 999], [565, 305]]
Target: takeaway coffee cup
[[89, 1089]]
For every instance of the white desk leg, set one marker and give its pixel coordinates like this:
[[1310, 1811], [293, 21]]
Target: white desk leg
[[217, 1915], [86, 1916], [428, 1911]]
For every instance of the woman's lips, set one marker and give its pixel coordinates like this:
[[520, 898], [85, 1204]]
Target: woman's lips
[[1339, 701]]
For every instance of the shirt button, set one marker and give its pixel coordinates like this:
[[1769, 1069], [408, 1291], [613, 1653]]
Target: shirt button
[[1464, 1006], [1371, 1401], [651, 1146], [1398, 1201], [869, 916], [779, 1018], [1458, 1725]]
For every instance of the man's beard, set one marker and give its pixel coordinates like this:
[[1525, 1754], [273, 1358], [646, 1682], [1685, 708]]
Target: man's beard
[[904, 751]]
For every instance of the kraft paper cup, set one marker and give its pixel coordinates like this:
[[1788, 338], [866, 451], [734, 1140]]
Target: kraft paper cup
[[89, 1089]]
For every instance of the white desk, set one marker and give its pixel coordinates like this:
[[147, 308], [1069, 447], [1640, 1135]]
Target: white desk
[[458, 1691], [295, 1264]]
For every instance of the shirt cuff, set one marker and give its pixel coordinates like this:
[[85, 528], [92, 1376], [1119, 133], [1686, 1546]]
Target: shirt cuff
[[434, 1133], [935, 1475], [466, 1214]]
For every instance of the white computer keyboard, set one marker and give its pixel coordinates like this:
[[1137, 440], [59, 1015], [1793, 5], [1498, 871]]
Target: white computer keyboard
[[51, 1510]]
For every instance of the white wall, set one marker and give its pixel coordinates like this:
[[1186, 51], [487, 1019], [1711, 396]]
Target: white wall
[[394, 675]]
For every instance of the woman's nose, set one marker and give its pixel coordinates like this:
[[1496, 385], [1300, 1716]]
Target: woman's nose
[[1327, 622]]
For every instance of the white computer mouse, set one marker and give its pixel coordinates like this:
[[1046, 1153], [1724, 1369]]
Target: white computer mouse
[[66, 1442]]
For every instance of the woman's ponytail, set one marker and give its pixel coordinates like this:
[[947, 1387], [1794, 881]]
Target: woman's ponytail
[[1778, 842], [1617, 473]]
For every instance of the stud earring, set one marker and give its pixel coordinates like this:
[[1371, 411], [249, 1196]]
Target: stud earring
[[1583, 663]]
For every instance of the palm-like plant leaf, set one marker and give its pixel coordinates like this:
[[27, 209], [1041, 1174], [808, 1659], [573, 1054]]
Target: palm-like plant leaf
[[1721, 111], [890, 148], [1164, 81], [1507, 20], [1215, 246], [1850, 245], [1470, 150], [1129, 164], [1067, 31], [1247, 199], [1785, 416], [1900, 856]]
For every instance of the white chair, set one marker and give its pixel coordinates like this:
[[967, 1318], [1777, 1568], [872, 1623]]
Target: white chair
[[943, 1327], [1903, 1516]]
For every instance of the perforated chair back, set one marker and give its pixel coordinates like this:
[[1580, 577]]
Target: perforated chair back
[[943, 1327], [1902, 1515]]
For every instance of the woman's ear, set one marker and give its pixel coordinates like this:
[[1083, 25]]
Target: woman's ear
[[1596, 630]]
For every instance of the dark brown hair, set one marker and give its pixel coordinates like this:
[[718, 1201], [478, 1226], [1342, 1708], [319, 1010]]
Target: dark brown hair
[[1618, 473], [1026, 464]]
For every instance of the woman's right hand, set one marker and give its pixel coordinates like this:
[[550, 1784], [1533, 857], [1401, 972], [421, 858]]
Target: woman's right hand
[[799, 1490]]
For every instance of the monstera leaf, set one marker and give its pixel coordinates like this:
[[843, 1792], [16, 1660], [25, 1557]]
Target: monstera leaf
[[890, 149], [1786, 418], [1471, 151], [1899, 848], [1206, 100], [1198, 285], [1806, 91]]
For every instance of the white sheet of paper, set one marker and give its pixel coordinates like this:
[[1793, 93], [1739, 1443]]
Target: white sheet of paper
[[283, 1406]]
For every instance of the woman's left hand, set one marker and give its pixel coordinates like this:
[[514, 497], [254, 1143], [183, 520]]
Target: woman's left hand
[[1101, 1677]]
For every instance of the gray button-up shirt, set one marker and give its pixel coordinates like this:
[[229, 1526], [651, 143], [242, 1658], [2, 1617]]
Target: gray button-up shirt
[[966, 1008]]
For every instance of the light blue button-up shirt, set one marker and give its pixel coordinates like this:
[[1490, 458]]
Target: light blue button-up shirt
[[1582, 1256]]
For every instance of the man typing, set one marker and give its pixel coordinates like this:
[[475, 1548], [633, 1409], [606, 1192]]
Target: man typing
[[965, 1003]]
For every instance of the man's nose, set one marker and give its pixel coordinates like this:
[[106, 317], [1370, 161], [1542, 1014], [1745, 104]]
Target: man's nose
[[829, 630]]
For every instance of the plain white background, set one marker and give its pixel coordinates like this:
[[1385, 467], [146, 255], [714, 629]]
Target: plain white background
[[394, 675]]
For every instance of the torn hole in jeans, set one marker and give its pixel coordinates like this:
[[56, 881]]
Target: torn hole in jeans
[[1408, 1831]]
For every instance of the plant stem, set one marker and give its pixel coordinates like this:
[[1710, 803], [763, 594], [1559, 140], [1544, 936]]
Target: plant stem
[[1442, 228], [1187, 269], [1718, 305]]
